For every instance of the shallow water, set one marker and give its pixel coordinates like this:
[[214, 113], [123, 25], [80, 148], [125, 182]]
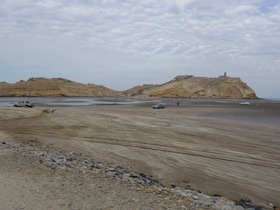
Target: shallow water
[[259, 110], [69, 101], [88, 101]]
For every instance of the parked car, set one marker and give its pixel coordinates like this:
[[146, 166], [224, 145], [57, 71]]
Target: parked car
[[24, 104], [159, 106], [244, 103]]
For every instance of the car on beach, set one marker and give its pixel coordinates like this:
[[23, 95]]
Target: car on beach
[[244, 103], [159, 106], [24, 104]]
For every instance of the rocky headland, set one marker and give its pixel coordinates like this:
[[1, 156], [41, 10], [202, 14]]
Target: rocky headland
[[180, 87], [196, 87]]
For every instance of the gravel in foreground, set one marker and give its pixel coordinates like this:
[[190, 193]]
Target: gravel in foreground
[[41, 178]]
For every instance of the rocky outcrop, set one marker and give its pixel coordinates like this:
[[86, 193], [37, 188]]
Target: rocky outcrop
[[201, 87], [53, 87]]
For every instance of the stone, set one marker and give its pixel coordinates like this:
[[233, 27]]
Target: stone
[[141, 174], [126, 176], [173, 185], [189, 195], [239, 207], [271, 205], [86, 161], [176, 191], [120, 176], [99, 166], [222, 207], [195, 197], [121, 170], [135, 175], [110, 169]]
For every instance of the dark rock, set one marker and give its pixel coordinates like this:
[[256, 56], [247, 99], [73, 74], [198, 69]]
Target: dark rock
[[153, 180], [238, 207], [86, 161], [121, 170], [147, 182], [141, 174], [3, 142], [120, 176], [135, 175], [248, 204], [246, 200]]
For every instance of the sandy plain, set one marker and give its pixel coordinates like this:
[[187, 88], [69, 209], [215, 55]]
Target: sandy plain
[[217, 148]]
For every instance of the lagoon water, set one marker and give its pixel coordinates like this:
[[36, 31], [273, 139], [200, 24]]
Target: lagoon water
[[89, 101], [68, 101], [259, 111]]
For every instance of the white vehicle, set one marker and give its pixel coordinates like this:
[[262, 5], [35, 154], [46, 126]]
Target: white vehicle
[[244, 103], [24, 104]]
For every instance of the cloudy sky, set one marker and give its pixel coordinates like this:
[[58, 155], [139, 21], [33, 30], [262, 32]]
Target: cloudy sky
[[123, 43]]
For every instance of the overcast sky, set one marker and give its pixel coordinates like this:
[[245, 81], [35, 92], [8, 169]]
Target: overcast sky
[[123, 43]]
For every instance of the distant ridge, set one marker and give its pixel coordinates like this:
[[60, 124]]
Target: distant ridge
[[180, 87], [53, 87]]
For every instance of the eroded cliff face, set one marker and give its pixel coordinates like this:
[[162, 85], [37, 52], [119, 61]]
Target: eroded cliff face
[[200, 87], [53, 87], [179, 87]]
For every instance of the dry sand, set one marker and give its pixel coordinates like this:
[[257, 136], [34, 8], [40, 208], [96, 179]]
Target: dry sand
[[224, 149]]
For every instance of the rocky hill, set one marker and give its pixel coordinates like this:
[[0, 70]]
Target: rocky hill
[[53, 87], [138, 90], [179, 87], [198, 87]]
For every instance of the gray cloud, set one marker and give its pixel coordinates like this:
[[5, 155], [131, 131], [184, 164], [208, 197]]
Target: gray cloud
[[174, 36]]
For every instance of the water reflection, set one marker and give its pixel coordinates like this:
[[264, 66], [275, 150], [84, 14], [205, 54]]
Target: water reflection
[[70, 101]]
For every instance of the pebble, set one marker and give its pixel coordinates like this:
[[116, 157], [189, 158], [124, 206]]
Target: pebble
[[98, 166], [195, 197], [239, 207], [271, 205]]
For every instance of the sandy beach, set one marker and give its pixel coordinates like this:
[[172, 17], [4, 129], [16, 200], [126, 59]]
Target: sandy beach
[[216, 148]]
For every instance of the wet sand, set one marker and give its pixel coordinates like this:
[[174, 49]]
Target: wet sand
[[217, 148]]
